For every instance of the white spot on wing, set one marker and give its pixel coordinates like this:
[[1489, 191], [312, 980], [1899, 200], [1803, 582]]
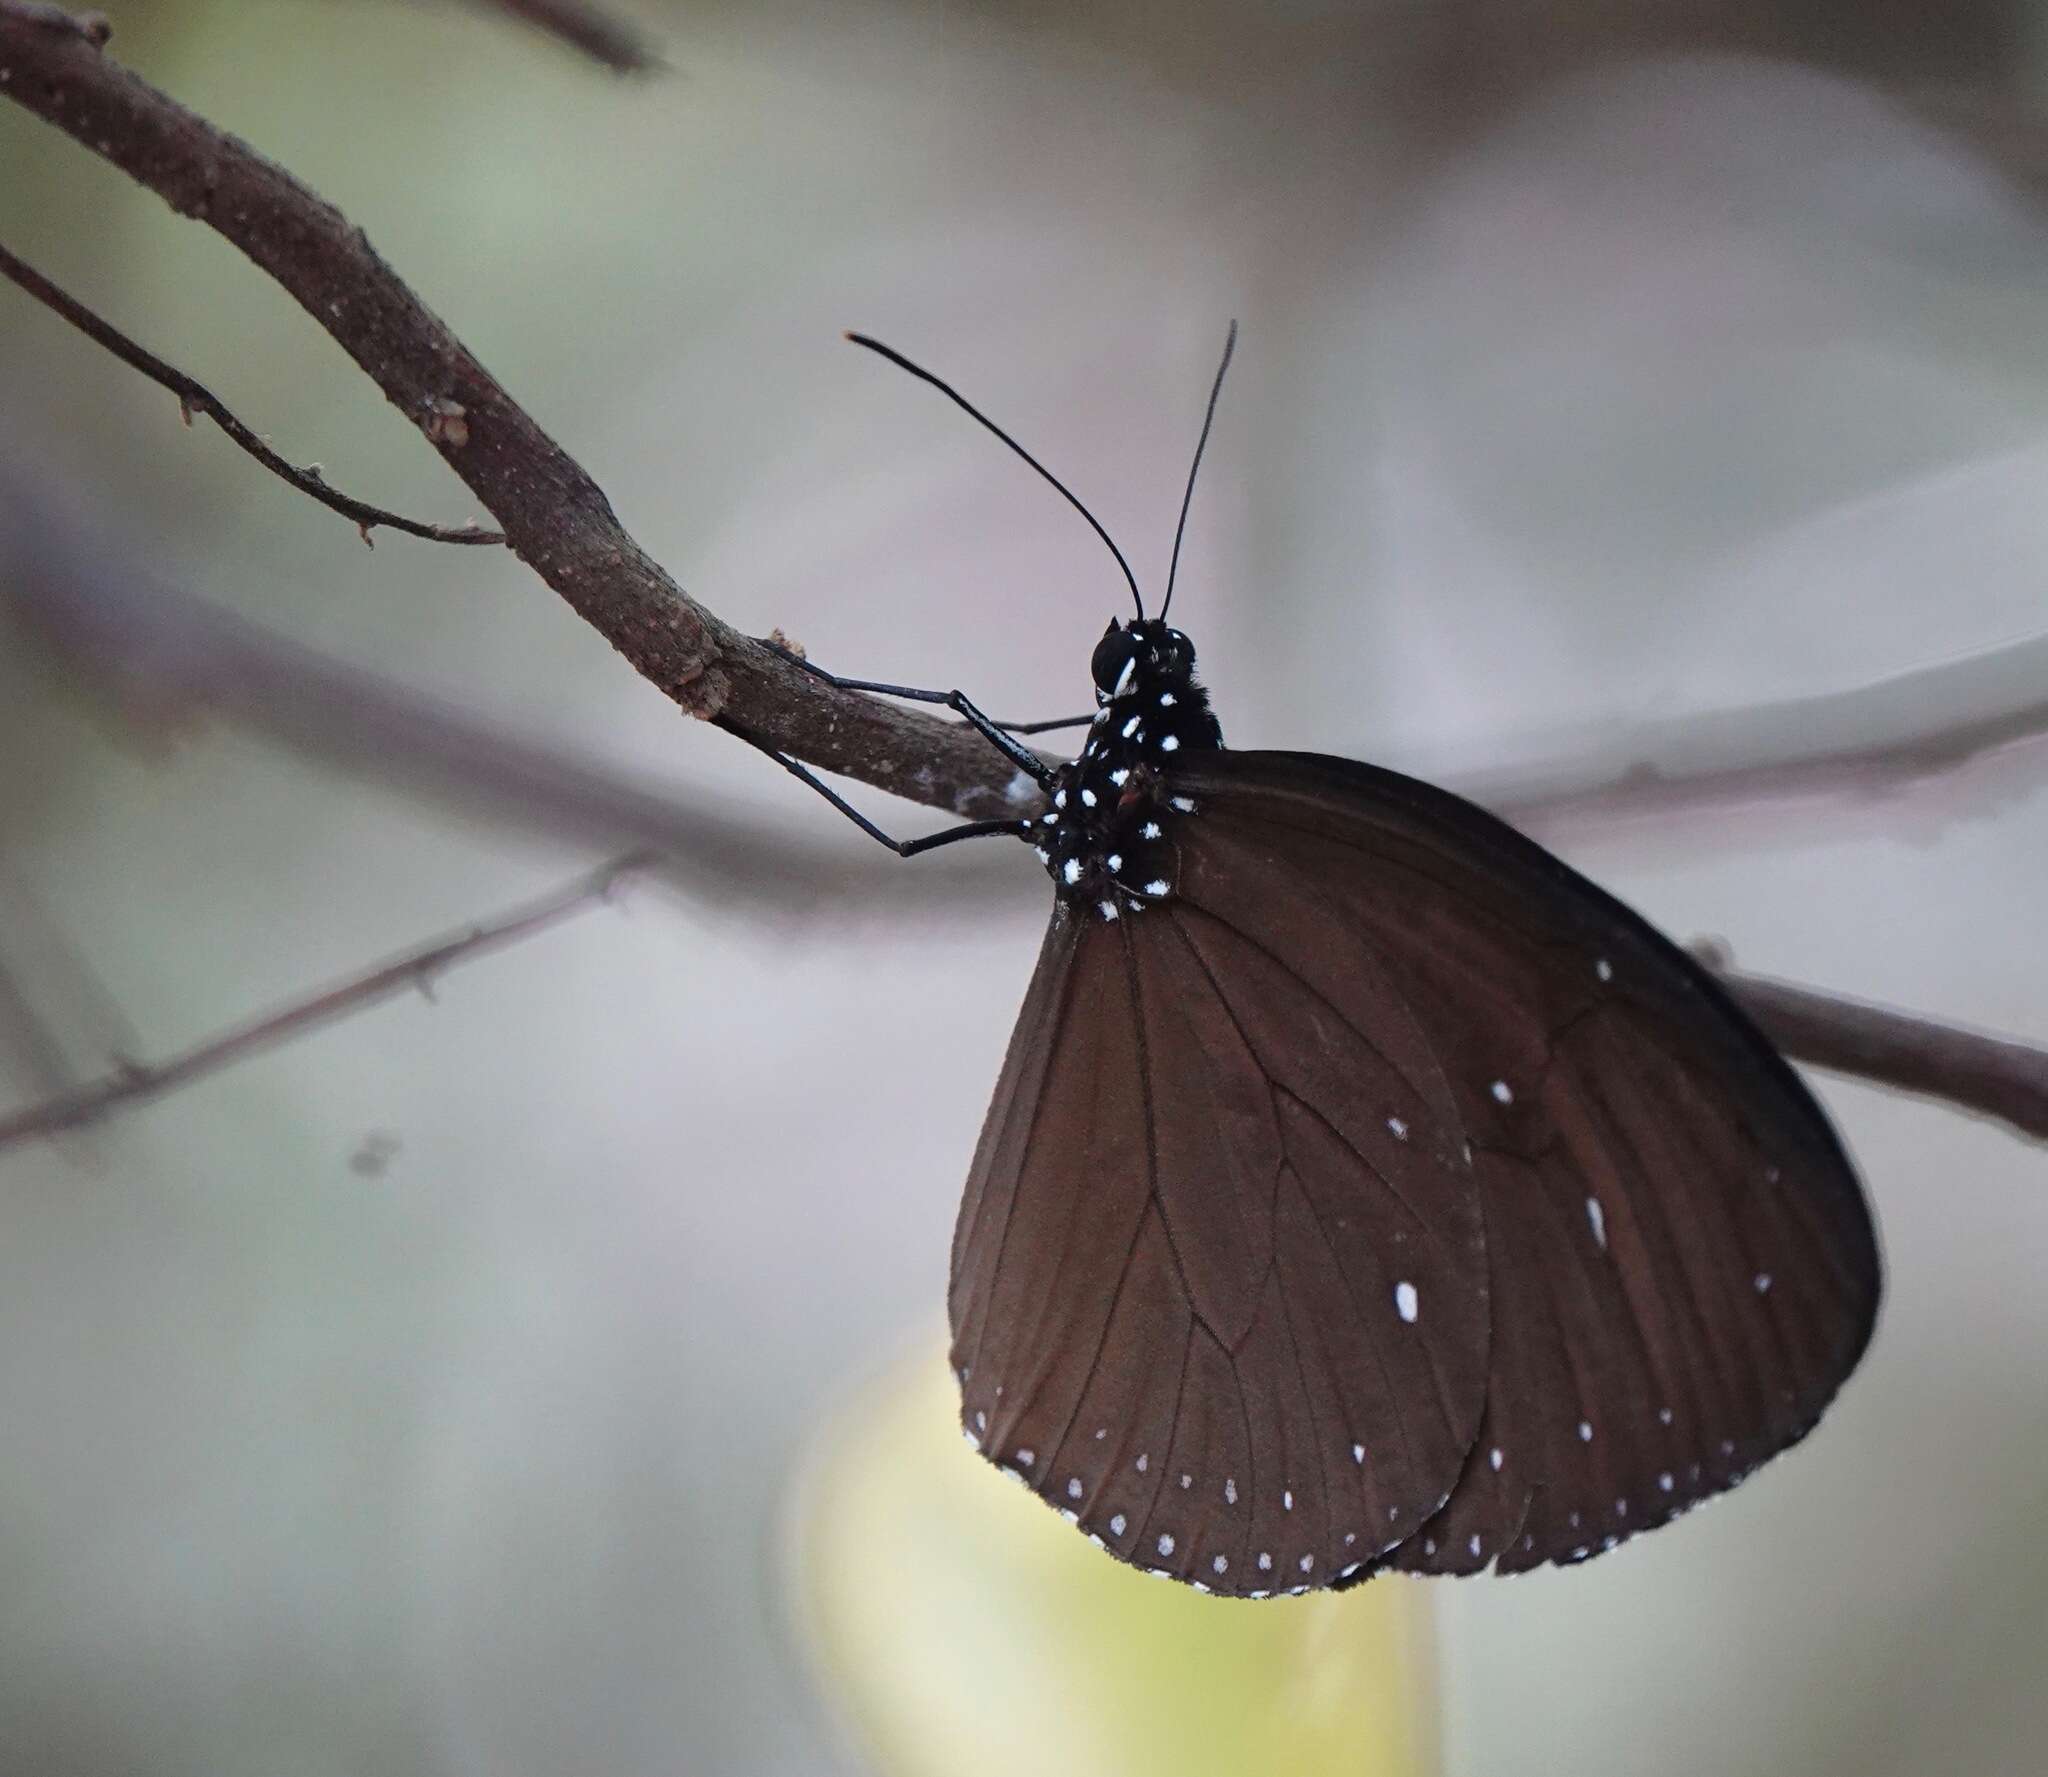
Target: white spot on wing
[[1598, 1218], [1585, 1432], [1397, 1128], [1169, 743], [1406, 1302], [1604, 969], [1070, 872], [1106, 908], [1504, 1092], [1158, 886], [1166, 1545], [1116, 1525], [1494, 1456], [1074, 1488], [1357, 1452], [1763, 1283]]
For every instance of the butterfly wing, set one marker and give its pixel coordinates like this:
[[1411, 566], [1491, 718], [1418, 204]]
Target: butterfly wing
[[1682, 1267], [1194, 1304]]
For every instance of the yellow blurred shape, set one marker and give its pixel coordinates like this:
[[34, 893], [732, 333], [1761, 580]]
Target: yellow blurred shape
[[961, 1626]]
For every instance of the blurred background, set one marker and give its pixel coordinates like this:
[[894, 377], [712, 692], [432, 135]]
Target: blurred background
[[477, 1385]]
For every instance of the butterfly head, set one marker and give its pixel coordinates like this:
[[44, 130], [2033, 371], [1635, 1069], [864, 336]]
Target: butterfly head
[[1134, 657]]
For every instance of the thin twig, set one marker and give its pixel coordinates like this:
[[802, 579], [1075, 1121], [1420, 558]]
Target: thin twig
[[196, 397], [415, 970], [603, 38], [1994, 1077], [552, 513]]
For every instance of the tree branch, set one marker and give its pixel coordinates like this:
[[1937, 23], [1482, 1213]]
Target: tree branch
[[196, 397], [135, 1083], [553, 515], [1994, 1077]]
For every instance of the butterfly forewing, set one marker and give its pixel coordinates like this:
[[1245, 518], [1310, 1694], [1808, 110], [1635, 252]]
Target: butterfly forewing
[[1682, 1267], [1194, 1304]]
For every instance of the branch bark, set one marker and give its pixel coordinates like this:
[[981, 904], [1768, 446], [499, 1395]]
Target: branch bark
[[553, 514]]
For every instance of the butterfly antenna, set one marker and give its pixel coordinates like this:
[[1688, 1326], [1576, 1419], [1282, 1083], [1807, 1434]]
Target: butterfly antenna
[[1201, 444], [959, 400]]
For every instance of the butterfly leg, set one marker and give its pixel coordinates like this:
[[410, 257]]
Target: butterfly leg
[[1045, 727], [1013, 750], [903, 848]]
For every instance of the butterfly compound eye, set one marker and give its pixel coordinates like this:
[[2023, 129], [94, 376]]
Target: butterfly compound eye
[[1113, 656]]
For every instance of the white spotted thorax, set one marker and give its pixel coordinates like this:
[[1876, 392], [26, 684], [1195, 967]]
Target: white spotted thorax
[[1107, 840]]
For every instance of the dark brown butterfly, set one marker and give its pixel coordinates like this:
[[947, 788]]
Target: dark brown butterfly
[[1366, 1189]]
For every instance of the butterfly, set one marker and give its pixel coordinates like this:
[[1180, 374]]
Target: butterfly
[[1364, 1188]]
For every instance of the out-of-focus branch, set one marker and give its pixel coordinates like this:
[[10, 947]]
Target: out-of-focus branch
[[196, 397], [417, 969], [598, 35], [1979, 722], [552, 513], [1986, 1075], [1994, 1077]]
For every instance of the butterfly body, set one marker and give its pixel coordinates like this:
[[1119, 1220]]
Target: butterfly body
[[1366, 1189], [1107, 839]]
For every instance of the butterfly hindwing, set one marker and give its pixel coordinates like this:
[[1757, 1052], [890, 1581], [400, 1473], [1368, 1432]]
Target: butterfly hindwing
[[1682, 1266]]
